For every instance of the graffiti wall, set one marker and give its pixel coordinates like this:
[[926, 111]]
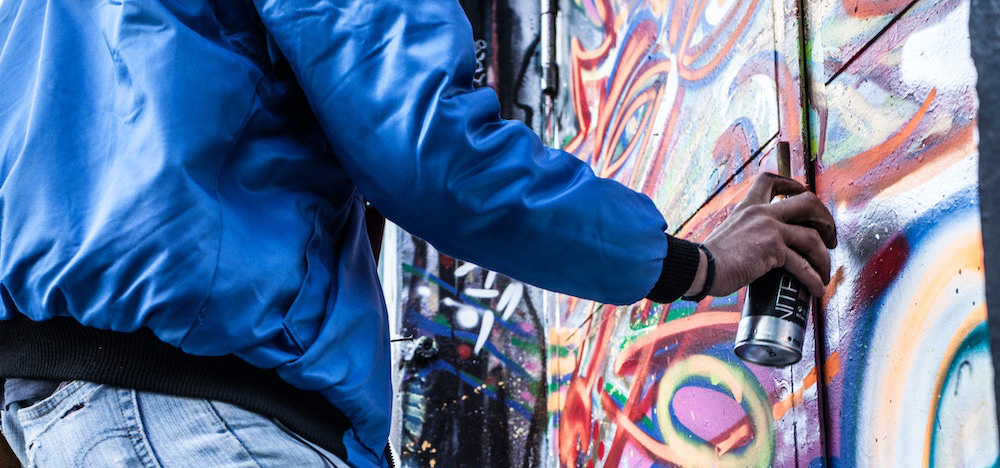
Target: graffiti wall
[[686, 101], [894, 127], [472, 389], [683, 101]]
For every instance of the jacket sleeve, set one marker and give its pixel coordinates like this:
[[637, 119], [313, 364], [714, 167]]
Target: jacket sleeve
[[391, 84]]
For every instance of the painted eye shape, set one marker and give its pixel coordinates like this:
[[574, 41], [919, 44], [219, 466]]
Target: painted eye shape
[[714, 413], [630, 131]]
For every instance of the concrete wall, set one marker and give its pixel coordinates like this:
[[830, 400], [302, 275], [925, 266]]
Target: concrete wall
[[686, 101], [898, 370], [682, 101]]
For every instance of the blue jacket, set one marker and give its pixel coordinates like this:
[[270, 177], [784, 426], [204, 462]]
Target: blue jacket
[[196, 167]]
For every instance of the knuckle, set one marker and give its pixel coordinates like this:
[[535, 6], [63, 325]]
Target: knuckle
[[814, 238], [771, 241], [775, 261], [811, 197], [764, 180], [755, 210]]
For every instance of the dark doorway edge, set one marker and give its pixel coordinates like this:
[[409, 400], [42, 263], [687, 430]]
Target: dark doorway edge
[[984, 31]]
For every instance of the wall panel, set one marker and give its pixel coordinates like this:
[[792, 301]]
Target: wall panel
[[895, 140]]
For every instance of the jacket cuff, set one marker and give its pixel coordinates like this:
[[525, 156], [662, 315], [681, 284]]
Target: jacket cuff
[[679, 269]]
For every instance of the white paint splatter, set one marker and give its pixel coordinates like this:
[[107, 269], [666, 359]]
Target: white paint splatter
[[484, 331], [479, 293], [510, 299], [716, 10], [465, 269], [939, 55], [467, 317]]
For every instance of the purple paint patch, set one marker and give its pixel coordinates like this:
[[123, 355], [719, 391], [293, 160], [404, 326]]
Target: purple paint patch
[[707, 413]]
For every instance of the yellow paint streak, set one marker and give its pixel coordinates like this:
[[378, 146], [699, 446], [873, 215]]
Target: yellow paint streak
[[725, 376], [967, 255], [561, 366], [974, 319], [563, 337], [556, 401]]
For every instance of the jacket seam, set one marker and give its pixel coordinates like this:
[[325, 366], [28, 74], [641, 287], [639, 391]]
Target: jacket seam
[[218, 251]]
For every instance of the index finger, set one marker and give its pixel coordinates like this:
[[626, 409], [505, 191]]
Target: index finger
[[768, 185]]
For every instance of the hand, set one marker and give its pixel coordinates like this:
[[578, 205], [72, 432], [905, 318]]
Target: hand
[[759, 236]]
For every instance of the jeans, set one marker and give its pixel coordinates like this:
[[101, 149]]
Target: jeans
[[86, 424]]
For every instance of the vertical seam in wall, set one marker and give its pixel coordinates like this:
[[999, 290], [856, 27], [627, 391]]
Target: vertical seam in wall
[[778, 48], [809, 162]]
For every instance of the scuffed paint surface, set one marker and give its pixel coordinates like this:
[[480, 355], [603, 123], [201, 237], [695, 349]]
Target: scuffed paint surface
[[472, 391], [895, 136], [682, 101], [685, 101]]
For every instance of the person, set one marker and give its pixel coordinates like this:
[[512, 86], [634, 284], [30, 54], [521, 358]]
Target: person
[[186, 277]]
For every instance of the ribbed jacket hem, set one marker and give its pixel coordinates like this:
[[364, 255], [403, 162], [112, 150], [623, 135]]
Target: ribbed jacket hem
[[62, 349]]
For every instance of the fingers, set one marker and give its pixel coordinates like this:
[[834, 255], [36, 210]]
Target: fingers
[[800, 268], [793, 233], [807, 243], [807, 210], [768, 185]]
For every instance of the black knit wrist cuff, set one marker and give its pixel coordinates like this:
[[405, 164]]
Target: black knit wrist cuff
[[679, 270]]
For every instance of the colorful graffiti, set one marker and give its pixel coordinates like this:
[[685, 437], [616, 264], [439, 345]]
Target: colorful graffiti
[[897, 162], [471, 354], [681, 100], [472, 363], [888, 143], [652, 80], [686, 100], [658, 385]]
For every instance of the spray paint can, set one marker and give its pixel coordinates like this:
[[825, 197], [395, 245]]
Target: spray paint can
[[773, 323]]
